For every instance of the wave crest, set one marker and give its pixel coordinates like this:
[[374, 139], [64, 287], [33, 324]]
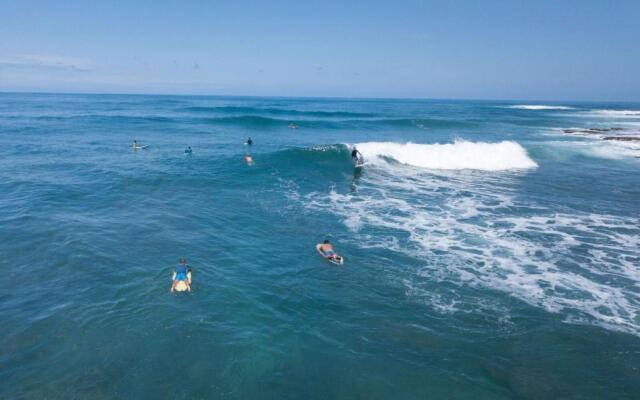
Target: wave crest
[[539, 107], [500, 156], [616, 113]]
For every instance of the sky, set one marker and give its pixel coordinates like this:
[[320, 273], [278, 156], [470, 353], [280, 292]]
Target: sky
[[491, 49]]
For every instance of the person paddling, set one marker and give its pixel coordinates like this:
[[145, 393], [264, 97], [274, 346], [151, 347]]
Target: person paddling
[[182, 273], [326, 250]]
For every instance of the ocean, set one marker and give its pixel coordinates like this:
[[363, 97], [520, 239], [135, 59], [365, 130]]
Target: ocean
[[492, 248]]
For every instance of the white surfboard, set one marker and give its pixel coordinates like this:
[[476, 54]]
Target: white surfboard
[[331, 260]]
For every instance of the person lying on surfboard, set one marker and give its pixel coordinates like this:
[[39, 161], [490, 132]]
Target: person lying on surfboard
[[181, 274], [326, 251]]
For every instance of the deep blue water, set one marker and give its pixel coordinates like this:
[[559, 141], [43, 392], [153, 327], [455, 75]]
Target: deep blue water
[[489, 254]]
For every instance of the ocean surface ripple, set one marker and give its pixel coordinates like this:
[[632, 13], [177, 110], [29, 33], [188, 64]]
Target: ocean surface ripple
[[492, 248]]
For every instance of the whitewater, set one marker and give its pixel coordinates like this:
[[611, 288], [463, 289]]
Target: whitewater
[[489, 246], [461, 154]]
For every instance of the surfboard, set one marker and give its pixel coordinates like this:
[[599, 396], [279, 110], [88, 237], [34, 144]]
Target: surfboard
[[181, 286], [141, 147], [331, 260]]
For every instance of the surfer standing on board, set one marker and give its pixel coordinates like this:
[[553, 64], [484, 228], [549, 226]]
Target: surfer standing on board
[[356, 156]]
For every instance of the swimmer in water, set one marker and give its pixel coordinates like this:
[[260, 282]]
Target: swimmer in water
[[181, 273], [248, 159], [188, 150], [249, 141]]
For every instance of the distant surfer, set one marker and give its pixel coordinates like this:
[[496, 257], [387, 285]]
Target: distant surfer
[[136, 146], [293, 126], [188, 150], [356, 156], [249, 142], [326, 250], [181, 277], [248, 159]]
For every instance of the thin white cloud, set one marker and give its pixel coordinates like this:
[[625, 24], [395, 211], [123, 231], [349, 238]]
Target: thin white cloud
[[47, 61]]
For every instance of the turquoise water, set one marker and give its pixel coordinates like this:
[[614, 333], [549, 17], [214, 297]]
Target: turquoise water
[[489, 254]]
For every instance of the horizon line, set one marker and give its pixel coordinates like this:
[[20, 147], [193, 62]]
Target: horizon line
[[315, 97]]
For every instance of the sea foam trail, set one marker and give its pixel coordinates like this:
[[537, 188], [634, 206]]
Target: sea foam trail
[[539, 107], [615, 113], [500, 156], [472, 231]]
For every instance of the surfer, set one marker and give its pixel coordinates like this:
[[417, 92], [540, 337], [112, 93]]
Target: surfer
[[326, 250], [249, 141], [136, 146], [293, 126], [182, 273], [248, 159], [356, 156], [188, 150]]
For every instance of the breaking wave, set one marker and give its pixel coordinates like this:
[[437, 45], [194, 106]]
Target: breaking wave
[[539, 107], [500, 156]]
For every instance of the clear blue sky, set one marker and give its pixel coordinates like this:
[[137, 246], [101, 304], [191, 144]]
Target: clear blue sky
[[575, 50]]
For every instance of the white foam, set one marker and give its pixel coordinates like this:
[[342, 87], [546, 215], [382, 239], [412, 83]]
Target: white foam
[[500, 156], [615, 113], [466, 232], [539, 107], [614, 149], [595, 145]]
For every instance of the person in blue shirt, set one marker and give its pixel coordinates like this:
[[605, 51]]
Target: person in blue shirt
[[182, 273]]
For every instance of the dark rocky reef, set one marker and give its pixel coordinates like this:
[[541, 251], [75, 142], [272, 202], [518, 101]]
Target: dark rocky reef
[[623, 138], [593, 130]]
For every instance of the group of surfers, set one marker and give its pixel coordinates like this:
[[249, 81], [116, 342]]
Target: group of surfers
[[356, 156], [181, 280]]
